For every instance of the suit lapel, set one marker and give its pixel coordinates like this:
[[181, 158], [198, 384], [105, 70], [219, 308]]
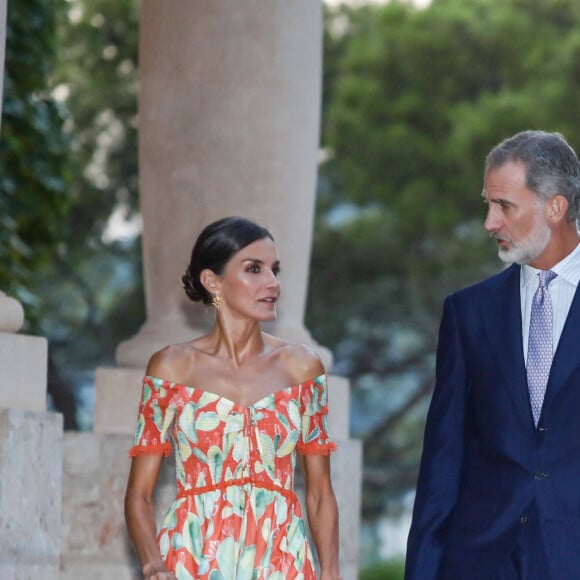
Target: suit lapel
[[567, 355], [503, 325]]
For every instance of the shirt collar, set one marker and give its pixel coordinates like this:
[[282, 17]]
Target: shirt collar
[[567, 269]]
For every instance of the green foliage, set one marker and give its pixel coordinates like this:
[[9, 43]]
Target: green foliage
[[414, 101], [97, 71], [69, 162], [97, 77], [33, 183], [390, 570]]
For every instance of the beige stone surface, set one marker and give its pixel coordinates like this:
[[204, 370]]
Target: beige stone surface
[[94, 537], [338, 407], [117, 395], [95, 541], [23, 364], [29, 571], [30, 494]]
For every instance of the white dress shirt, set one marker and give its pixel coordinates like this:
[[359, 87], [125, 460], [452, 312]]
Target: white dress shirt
[[562, 290]]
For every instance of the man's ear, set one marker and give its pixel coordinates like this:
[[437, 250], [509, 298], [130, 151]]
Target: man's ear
[[209, 280], [556, 209]]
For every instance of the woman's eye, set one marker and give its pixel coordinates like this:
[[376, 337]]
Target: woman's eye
[[254, 269]]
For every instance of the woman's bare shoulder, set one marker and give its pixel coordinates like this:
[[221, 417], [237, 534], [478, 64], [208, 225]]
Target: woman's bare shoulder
[[173, 362], [300, 361]]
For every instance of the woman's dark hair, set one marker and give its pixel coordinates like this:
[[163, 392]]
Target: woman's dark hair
[[214, 247]]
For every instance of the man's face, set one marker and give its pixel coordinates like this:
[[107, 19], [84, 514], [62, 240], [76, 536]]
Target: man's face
[[515, 215]]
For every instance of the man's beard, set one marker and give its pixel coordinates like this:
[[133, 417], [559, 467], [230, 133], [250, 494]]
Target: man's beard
[[529, 249]]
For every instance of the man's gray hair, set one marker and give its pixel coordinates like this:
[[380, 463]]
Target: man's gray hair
[[551, 165]]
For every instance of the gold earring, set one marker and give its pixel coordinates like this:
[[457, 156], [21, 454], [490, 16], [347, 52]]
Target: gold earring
[[217, 301]]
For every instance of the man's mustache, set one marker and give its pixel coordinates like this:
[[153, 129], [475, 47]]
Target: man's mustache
[[498, 237]]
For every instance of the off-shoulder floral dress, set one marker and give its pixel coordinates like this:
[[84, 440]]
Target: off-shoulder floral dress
[[235, 516]]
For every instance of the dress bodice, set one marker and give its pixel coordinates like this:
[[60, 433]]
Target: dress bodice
[[255, 441]]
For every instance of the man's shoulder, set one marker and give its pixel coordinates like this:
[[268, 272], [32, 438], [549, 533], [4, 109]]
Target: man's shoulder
[[496, 282]]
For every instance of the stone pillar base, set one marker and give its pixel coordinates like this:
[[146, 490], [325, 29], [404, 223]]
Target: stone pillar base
[[31, 456]]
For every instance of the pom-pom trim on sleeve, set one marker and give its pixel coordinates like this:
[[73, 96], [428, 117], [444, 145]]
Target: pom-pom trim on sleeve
[[316, 449], [160, 449]]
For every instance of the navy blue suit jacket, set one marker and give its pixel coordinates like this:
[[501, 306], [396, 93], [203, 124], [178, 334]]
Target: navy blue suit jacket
[[484, 463]]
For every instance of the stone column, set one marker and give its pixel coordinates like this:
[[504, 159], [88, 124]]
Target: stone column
[[229, 113], [229, 120]]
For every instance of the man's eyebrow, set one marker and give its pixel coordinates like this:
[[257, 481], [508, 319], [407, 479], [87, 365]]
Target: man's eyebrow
[[500, 200]]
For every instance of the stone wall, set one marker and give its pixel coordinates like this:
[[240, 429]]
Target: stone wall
[[30, 494], [94, 538]]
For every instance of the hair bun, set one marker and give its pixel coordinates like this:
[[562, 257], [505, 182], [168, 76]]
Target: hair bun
[[190, 287]]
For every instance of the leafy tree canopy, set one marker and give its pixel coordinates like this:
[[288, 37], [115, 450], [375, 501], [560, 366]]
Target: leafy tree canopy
[[414, 100], [33, 181], [68, 154]]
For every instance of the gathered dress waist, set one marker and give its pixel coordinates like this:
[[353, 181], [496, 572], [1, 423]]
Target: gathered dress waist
[[287, 493]]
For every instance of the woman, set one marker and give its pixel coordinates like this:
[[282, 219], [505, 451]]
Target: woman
[[238, 406]]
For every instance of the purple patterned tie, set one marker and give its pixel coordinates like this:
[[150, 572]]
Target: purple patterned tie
[[540, 343]]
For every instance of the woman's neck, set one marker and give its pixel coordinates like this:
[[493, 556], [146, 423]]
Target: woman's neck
[[239, 341]]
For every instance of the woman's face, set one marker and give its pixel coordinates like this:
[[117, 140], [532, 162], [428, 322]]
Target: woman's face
[[249, 284]]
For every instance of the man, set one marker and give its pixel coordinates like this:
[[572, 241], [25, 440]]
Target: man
[[498, 496]]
